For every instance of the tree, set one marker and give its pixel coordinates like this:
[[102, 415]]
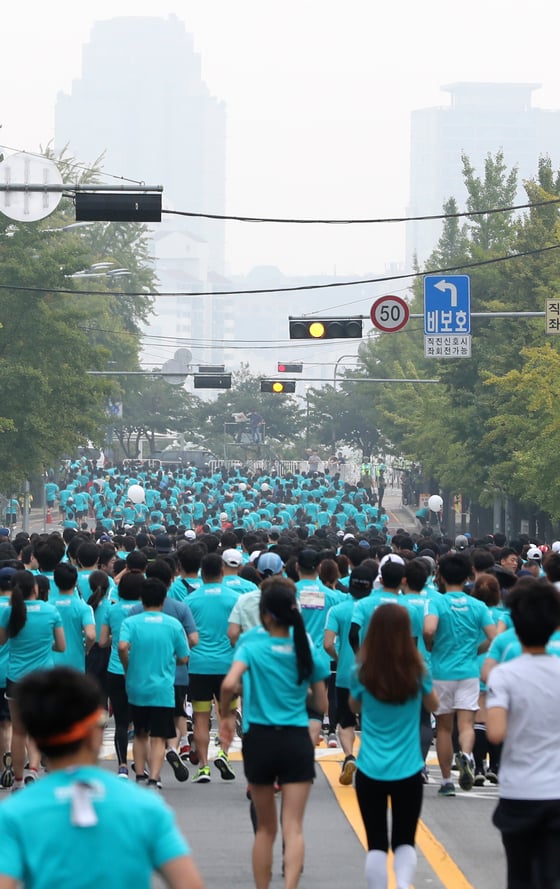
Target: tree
[[56, 328], [151, 406]]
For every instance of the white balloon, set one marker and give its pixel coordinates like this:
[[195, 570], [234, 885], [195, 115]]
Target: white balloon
[[435, 503], [136, 493]]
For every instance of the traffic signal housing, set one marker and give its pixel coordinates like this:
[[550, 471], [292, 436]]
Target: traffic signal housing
[[325, 328], [212, 381], [285, 368], [279, 387]]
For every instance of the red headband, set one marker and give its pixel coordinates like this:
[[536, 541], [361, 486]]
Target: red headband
[[75, 732]]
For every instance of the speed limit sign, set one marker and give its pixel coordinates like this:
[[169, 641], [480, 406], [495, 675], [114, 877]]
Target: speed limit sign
[[390, 313]]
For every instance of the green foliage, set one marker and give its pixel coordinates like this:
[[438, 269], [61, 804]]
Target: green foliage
[[55, 329], [483, 430]]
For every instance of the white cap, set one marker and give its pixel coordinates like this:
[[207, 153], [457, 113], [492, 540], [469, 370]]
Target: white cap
[[232, 558], [391, 557], [556, 546], [533, 554], [348, 537], [190, 534]]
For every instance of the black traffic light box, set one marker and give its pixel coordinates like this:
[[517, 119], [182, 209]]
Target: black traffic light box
[[285, 368], [279, 387], [211, 368], [212, 381], [119, 207], [325, 328]]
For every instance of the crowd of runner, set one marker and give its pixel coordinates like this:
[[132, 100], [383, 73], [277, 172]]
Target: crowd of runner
[[283, 608]]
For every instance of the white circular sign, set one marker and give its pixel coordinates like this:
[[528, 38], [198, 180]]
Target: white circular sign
[[29, 169], [390, 313]]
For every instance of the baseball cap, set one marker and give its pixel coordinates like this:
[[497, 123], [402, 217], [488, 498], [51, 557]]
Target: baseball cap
[[163, 543], [348, 537], [308, 559], [391, 557], [4, 532], [461, 542], [533, 554], [269, 563], [223, 516], [7, 572], [190, 534], [556, 546], [232, 558]]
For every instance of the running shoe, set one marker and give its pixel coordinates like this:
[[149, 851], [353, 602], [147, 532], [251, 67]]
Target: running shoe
[[194, 758], [239, 723], [466, 771], [425, 775], [122, 772], [180, 770], [224, 766], [347, 773], [152, 784], [184, 750], [492, 775], [202, 775], [447, 789], [7, 776], [479, 778], [146, 772], [30, 776], [332, 740]]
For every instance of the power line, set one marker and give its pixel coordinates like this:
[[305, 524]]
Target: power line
[[375, 221], [293, 289]]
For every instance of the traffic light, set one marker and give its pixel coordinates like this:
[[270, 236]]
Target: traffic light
[[280, 387], [212, 381], [284, 368], [325, 328]]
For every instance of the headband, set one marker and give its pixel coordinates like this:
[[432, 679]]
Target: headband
[[75, 732]]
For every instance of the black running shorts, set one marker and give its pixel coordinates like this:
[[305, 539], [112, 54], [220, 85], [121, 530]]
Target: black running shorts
[[278, 754]]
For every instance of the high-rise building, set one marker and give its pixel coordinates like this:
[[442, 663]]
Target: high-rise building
[[142, 105], [481, 119]]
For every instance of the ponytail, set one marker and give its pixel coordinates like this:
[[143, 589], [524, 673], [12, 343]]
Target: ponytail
[[301, 645], [278, 599], [99, 584], [22, 584]]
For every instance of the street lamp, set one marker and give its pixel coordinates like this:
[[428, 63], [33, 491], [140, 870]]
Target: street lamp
[[336, 367]]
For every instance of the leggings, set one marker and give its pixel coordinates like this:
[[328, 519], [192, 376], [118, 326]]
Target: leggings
[[121, 712], [406, 803]]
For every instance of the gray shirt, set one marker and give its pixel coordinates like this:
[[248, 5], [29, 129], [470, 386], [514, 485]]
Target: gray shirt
[[528, 687]]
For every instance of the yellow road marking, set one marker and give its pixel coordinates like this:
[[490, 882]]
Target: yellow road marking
[[433, 851]]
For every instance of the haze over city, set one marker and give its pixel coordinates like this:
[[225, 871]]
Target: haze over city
[[318, 99]]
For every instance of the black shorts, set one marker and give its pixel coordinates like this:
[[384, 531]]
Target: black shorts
[[10, 689], [282, 754], [4, 706], [180, 696], [344, 716], [205, 686], [154, 721]]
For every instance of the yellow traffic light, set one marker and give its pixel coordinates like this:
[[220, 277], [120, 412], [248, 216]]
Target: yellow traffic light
[[278, 387], [316, 329]]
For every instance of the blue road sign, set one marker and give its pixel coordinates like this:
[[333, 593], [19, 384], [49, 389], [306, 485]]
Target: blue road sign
[[447, 304]]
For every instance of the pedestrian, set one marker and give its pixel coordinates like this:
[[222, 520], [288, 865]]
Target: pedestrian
[[523, 711], [277, 746], [34, 629], [150, 645], [89, 828], [388, 688]]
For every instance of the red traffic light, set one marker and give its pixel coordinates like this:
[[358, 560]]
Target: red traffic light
[[285, 368]]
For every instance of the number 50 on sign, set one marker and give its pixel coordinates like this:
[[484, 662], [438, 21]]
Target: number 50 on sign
[[390, 313]]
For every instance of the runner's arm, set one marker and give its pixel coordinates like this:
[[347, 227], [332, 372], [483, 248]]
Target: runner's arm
[[179, 873]]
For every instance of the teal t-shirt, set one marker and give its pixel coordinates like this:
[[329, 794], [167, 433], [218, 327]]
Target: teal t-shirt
[[76, 614], [339, 619], [504, 647], [211, 606], [364, 608], [31, 649], [135, 833], [156, 641], [4, 649], [315, 599], [239, 584], [457, 638], [114, 616], [272, 695], [390, 740]]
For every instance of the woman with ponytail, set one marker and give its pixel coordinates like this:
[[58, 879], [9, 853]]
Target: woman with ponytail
[[277, 747], [34, 629]]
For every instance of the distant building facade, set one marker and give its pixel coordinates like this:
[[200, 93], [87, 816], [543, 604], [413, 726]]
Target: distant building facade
[[141, 102], [481, 119]]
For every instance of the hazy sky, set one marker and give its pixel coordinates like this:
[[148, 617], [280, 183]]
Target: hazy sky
[[318, 95]]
